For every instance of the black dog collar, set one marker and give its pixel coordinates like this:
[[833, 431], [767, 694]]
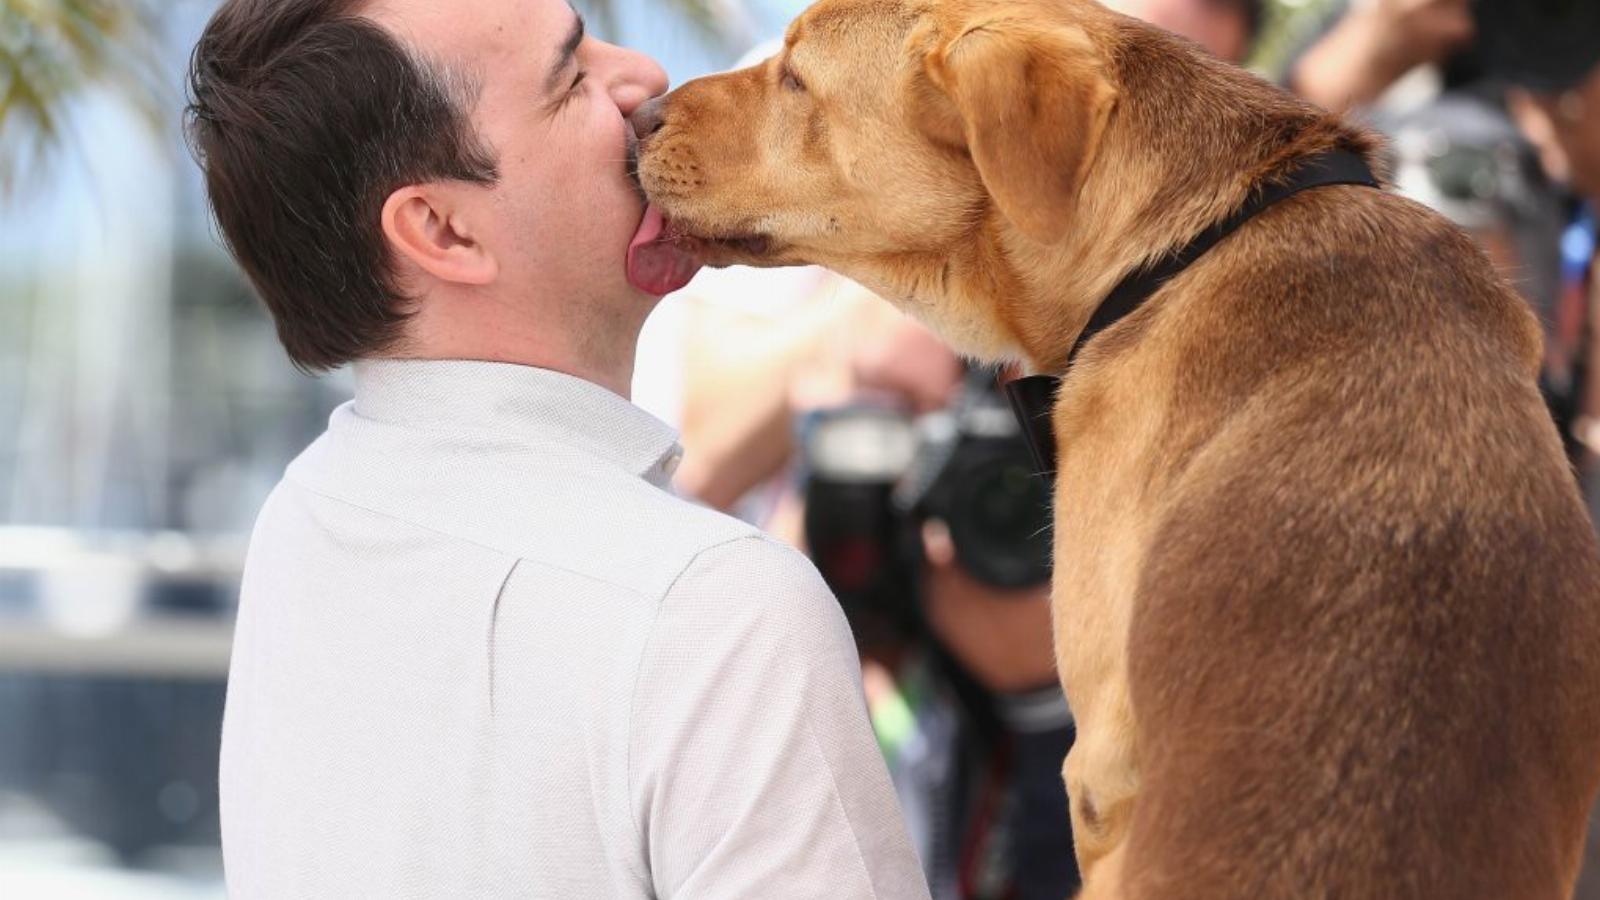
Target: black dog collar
[[1033, 398]]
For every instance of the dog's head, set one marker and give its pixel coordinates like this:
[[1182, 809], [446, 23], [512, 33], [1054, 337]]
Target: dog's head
[[884, 134]]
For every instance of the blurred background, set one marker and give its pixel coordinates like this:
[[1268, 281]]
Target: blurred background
[[146, 410]]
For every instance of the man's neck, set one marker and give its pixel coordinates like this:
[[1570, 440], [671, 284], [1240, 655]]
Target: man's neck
[[600, 351], [616, 377]]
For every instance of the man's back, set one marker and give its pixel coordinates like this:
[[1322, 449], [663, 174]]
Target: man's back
[[482, 652]]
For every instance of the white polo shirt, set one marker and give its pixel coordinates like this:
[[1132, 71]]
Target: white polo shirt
[[482, 651]]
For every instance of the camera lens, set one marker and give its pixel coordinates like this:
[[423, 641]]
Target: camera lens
[[1465, 173], [1000, 521]]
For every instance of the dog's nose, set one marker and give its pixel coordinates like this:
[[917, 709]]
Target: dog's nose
[[647, 117]]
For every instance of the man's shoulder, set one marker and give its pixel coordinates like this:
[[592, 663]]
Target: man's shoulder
[[752, 556], [642, 533], [552, 508], [762, 590]]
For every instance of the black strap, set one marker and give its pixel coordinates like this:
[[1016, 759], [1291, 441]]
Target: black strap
[[1033, 398]]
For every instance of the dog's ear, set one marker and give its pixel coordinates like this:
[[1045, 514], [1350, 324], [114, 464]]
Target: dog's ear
[[1033, 105]]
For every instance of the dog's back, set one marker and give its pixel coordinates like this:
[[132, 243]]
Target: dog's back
[[1372, 568]]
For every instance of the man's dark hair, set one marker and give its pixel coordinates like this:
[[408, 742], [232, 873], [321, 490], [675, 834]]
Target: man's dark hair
[[305, 118]]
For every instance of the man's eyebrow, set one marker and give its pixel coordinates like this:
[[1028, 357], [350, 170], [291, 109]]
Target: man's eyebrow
[[569, 48]]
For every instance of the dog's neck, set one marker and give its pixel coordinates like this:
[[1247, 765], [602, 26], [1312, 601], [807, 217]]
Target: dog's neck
[[1190, 139]]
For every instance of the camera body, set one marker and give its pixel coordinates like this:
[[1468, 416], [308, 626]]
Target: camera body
[[873, 474]]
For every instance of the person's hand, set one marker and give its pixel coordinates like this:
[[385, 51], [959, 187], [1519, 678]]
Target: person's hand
[[910, 362], [1376, 43], [1002, 637], [746, 378], [1414, 32]]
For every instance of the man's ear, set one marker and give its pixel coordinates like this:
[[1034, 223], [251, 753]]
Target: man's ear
[[430, 226], [1033, 104]]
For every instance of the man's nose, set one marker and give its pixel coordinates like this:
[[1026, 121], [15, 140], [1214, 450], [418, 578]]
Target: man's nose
[[648, 117], [637, 78]]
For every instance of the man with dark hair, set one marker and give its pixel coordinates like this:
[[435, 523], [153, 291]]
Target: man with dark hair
[[295, 184], [482, 650]]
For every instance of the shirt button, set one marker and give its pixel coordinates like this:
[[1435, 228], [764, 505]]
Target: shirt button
[[670, 462]]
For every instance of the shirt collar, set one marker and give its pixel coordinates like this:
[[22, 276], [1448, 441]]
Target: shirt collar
[[504, 397]]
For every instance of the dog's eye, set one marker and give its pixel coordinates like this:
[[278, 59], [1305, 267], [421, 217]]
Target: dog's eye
[[791, 82]]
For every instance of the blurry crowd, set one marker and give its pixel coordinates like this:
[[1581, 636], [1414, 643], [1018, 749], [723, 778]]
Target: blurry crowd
[[817, 411]]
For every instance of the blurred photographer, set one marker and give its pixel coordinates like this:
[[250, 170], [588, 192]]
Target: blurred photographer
[[1491, 61], [933, 530], [1548, 53]]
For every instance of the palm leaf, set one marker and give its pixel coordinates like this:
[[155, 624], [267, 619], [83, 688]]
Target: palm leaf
[[51, 51]]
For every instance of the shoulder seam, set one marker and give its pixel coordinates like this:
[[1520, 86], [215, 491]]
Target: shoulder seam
[[638, 667]]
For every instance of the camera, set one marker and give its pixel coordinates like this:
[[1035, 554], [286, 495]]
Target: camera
[[872, 474]]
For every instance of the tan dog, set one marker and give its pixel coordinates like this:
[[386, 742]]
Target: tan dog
[[1327, 602]]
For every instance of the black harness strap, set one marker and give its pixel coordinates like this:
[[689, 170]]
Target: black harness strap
[[1033, 398]]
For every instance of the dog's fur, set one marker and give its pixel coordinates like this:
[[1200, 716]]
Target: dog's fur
[[1327, 602]]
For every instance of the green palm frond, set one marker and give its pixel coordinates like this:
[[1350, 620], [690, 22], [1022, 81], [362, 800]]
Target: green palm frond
[[50, 52]]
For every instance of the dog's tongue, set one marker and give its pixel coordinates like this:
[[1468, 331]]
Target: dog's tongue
[[655, 264]]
